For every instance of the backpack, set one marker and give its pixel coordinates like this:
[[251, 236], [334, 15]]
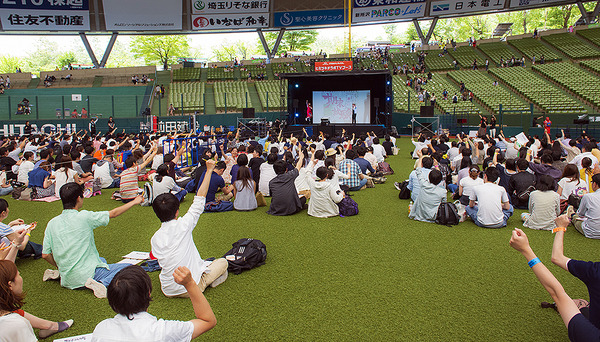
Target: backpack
[[348, 207], [524, 195], [447, 214], [148, 195], [246, 254], [404, 191], [385, 168], [218, 206]]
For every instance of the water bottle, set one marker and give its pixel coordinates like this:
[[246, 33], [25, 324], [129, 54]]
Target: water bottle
[[410, 206]]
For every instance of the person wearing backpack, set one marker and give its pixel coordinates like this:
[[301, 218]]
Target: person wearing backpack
[[173, 243], [520, 184], [430, 195], [488, 204]]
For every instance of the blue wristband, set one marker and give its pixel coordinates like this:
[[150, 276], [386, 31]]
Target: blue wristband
[[533, 262]]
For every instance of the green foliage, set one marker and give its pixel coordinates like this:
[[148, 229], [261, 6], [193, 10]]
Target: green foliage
[[300, 40], [227, 51], [65, 59], [338, 44], [8, 64], [43, 58], [160, 49]]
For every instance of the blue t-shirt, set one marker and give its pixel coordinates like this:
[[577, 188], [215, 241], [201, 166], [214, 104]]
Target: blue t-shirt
[[589, 273], [364, 165], [216, 183], [37, 176], [126, 154], [234, 172]]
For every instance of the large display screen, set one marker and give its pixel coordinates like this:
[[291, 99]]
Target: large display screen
[[337, 106]]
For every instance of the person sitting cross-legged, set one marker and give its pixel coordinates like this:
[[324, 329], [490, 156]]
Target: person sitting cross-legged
[[173, 243], [587, 219], [129, 296], [69, 243], [285, 200], [430, 195], [489, 206], [426, 163]]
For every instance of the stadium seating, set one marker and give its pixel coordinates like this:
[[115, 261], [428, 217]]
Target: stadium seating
[[232, 96], [281, 68], [399, 59], [254, 70], [434, 62], [492, 96], [497, 51], [580, 82], [273, 90], [193, 95], [533, 47], [593, 65], [551, 99], [220, 73], [437, 85], [593, 35], [186, 74], [572, 46], [465, 55], [369, 63]]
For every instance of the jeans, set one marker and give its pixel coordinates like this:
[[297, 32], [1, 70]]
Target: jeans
[[6, 191], [105, 276], [181, 194], [452, 187], [363, 182], [115, 184], [472, 212]]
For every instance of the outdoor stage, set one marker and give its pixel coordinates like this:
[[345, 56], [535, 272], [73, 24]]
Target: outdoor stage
[[336, 129]]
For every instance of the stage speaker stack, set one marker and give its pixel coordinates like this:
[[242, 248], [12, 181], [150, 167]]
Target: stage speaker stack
[[427, 111], [248, 113]]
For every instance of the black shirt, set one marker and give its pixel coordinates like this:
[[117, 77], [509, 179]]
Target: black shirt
[[518, 183]]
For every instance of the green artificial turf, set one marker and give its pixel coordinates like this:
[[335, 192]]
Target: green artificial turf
[[377, 276]]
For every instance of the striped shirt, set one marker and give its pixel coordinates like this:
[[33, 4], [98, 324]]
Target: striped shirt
[[129, 183]]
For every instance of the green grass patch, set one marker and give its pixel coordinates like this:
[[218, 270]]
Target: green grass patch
[[377, 276]]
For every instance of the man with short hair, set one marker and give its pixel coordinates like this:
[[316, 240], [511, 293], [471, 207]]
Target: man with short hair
[[545, 168], [585, 152], [378, 150], [362, 162], [492, 209], [430, 195], [173, 243], [426, 163], [216, 182], [357, 180], [282, 188], [88, 160], [519, 183], [69, 243]]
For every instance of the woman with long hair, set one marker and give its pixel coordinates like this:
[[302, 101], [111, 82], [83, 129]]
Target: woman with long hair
[[570, 184], [544, 205], [65, 174], [17, 325], [243, 190], [467, 184], [163, 183], [586, 172]]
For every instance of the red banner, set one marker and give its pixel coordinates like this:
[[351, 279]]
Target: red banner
[[333, 66]]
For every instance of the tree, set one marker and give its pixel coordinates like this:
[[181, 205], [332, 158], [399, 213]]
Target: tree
[[229, 51], [66, 58], [293, 40], [392, 35], [9, 64], [160, 49], [43, 58]]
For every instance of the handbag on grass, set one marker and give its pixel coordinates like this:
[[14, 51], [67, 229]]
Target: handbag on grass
[[218, 206], [260, 199]]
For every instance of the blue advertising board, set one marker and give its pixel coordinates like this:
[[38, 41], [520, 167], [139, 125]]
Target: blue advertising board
[[59, 5], [308, 18]]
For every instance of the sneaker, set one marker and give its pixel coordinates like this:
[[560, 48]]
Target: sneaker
[[570, 212], [220, 280], [98, 288], [397, 186], [50, 275]]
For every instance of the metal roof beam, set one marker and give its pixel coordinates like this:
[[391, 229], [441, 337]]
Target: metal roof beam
[[278, 41], [431, 28], [88, 48], [109, 47], [419, 32], [584, 14]]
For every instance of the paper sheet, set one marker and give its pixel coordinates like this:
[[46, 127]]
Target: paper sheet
[[79, 338], [137, 255], [130, 261]]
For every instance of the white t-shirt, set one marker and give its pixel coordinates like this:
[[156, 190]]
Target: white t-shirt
[[468, 184], [379, 152], [143, 327], [569, 187], [173, 246], [62, 177], [489, 197], [15, 328], [166, 185], [579, 157], [103, 172], [24, 168], [157, 161]]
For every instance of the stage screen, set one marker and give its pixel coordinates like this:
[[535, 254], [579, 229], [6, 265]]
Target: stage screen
[[337, 106]]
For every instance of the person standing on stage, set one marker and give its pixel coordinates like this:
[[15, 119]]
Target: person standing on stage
[[354, 114], [309, 114], [547, 124]]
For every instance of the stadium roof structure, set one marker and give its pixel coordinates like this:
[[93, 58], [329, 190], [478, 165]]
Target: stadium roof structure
[[68, 17]]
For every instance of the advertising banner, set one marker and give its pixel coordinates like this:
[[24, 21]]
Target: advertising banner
[[38, 15], [388, 13], [464, 6], [308, 18], [230, 21], [229, 7], [142, 15], [333, 66], [529, 3], [371, 3]]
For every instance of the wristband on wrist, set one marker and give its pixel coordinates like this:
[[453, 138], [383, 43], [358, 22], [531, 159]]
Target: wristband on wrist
[[559, 229], [533, 262]]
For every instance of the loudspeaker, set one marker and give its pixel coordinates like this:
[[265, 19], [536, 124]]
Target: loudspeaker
[[427, 111], [295, 103], [248, 113]]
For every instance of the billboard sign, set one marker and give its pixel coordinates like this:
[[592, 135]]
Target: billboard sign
[[308, 18], [142, 15], [38, 15], [333, 66], [230, 21], [228, 7], [388, 13], [372, 3], [530, 3], [464, 6]]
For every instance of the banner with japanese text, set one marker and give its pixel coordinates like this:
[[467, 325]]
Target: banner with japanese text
[[371, 3], [530, 3], [388, 13], [50, 15], [230, 7], [308, 18], [333, 66], [142, 15], [464, 6], [230, 21]]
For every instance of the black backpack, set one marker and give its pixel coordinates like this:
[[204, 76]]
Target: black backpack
[[447, 214], [246, 254], [404, 191]]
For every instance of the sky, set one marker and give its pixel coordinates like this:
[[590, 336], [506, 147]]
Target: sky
[[19, 46]]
